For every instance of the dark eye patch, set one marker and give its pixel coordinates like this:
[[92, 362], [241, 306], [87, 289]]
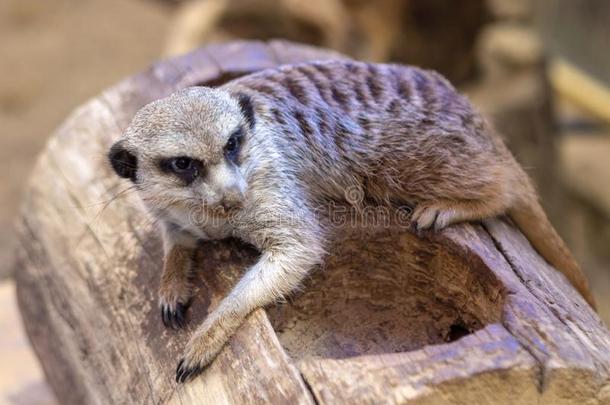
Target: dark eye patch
[[183, 167], [247, 109]]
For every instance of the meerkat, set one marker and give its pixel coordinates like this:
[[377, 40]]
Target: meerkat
[[258, 155]]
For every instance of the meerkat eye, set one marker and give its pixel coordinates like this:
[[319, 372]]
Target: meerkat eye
[[233, 144], [181, 164], [184, 167]]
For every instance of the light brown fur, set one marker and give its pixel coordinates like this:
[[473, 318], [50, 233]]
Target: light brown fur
[[308, 135]]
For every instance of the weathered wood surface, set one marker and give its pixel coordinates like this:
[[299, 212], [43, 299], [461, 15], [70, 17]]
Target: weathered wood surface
[[471, 315]]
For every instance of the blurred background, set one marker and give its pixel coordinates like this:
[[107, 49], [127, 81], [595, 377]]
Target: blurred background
[[540, 69]]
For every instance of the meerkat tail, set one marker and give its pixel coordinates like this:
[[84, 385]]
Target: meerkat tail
[[535, 225]]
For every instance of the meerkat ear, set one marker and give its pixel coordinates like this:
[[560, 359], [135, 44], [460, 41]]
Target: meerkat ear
[[124, 163], [245, 103]]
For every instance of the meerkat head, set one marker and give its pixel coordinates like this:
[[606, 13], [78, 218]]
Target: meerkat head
[[187, 149]]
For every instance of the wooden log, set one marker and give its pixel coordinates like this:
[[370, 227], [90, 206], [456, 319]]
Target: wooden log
[[470, 315]]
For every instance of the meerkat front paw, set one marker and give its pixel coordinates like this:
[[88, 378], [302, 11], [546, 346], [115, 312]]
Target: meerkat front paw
[[200, 351], [204, 346], [174, 299], [173, 315]]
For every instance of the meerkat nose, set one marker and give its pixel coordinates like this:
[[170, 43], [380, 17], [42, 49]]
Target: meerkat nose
[[229, 204]]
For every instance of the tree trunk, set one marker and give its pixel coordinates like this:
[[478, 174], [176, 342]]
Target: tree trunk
[[469, 316]]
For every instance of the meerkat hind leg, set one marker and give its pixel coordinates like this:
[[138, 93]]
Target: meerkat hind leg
[[438, 214]]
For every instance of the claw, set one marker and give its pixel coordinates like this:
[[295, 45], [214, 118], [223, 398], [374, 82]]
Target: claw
[[179, 370], [184, 373], [165, 315], [427, 217], [173, 318], [180, 322]]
